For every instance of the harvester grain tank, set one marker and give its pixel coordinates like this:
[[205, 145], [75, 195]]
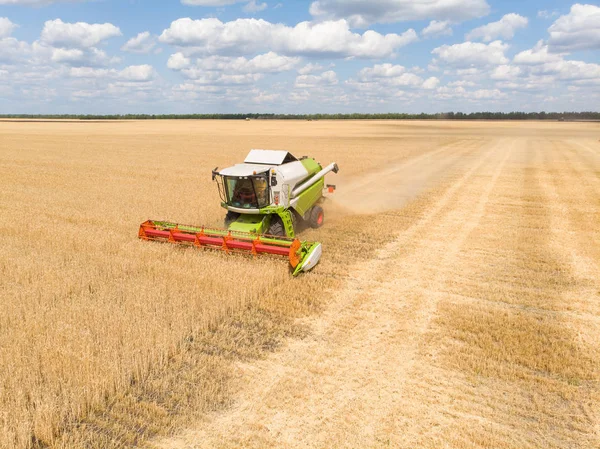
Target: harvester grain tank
[[265, 197]]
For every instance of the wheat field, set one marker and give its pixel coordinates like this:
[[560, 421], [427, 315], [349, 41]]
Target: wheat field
[[457, 303]]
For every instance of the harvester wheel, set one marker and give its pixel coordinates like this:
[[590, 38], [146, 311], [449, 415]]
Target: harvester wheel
[[231, 217], [276, 227], [317, 217]]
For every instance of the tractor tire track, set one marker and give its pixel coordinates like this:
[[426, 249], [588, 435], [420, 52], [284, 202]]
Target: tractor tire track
[[573, 236]]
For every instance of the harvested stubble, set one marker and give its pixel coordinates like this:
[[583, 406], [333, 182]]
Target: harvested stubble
[[106, 340]]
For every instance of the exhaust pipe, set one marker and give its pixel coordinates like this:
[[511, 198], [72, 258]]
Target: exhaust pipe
[[330, 168]]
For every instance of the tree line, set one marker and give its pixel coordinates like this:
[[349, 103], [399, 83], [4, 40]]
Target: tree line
[[357, 116]]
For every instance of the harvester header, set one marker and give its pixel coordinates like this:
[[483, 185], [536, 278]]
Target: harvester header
[[265, 198]]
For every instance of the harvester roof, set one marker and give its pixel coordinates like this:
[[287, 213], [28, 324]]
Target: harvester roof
[[271, 157], [245, 170]]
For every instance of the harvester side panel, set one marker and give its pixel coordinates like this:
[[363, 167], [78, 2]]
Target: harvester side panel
[[309, 197]]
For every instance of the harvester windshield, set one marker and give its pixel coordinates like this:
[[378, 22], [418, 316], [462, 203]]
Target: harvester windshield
[[245, 192]]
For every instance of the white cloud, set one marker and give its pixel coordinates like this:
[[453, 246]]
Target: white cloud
[[77, 35], [142, 43], [382, 77], [571, 70], [329, 38], [13, 50], [224, 70], [473, 71], [90, 72], [484, 94], [178, 61], [446, 93], [537, 55], [505, 72], [437, 28], [253, 7], [266, 63], [310, 68], [6, 27], [265, 97], [540, 69], [504, 28], [382, 71], [67, 55], [545, 14], [461, 83], [328, 78], [472, 54], [220, 78], [363, 13], [137, 73], [76, 57], [578, 30], [431, 83]]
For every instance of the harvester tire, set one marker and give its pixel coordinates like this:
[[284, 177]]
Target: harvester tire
[[231, 217], [317, 217], [276, 227]]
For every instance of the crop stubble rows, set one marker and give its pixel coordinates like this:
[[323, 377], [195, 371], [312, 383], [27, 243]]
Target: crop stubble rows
[[473, 327]]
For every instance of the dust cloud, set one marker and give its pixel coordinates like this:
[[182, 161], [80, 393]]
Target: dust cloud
[[393, 186]]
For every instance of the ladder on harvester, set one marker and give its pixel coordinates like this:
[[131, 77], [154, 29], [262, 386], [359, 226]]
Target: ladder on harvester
[[288, 223]]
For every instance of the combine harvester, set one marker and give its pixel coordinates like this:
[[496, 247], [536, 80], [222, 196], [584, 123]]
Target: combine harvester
[[264, 198]]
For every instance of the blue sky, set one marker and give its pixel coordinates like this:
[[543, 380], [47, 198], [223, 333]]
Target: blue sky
[[201, 56]]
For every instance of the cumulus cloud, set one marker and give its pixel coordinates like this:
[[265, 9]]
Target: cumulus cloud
[[504, 28], [363, 13], [267, 63], [329, 38], [472, 54], [250, 7], [77, 35], [578, 30], [134, 73], [310, 68], [382, 77], [6, 27], [447, 93], [137, 73], [389, 71], [545, 14], [461, 83], [253, 7], [90, 57], [431, 83], [178, 61], [505, 72], [578, 71], [142, 43], [12, 50], [536, 55], [328, 78], [437, 28], [224, 70]]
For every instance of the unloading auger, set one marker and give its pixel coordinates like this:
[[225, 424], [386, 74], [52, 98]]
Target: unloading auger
[[265, 197]]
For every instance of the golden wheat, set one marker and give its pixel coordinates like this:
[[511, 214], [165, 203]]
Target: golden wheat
[[105, 340]]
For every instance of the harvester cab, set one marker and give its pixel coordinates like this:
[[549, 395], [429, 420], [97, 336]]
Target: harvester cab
[[271, 191], [265, 197]]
